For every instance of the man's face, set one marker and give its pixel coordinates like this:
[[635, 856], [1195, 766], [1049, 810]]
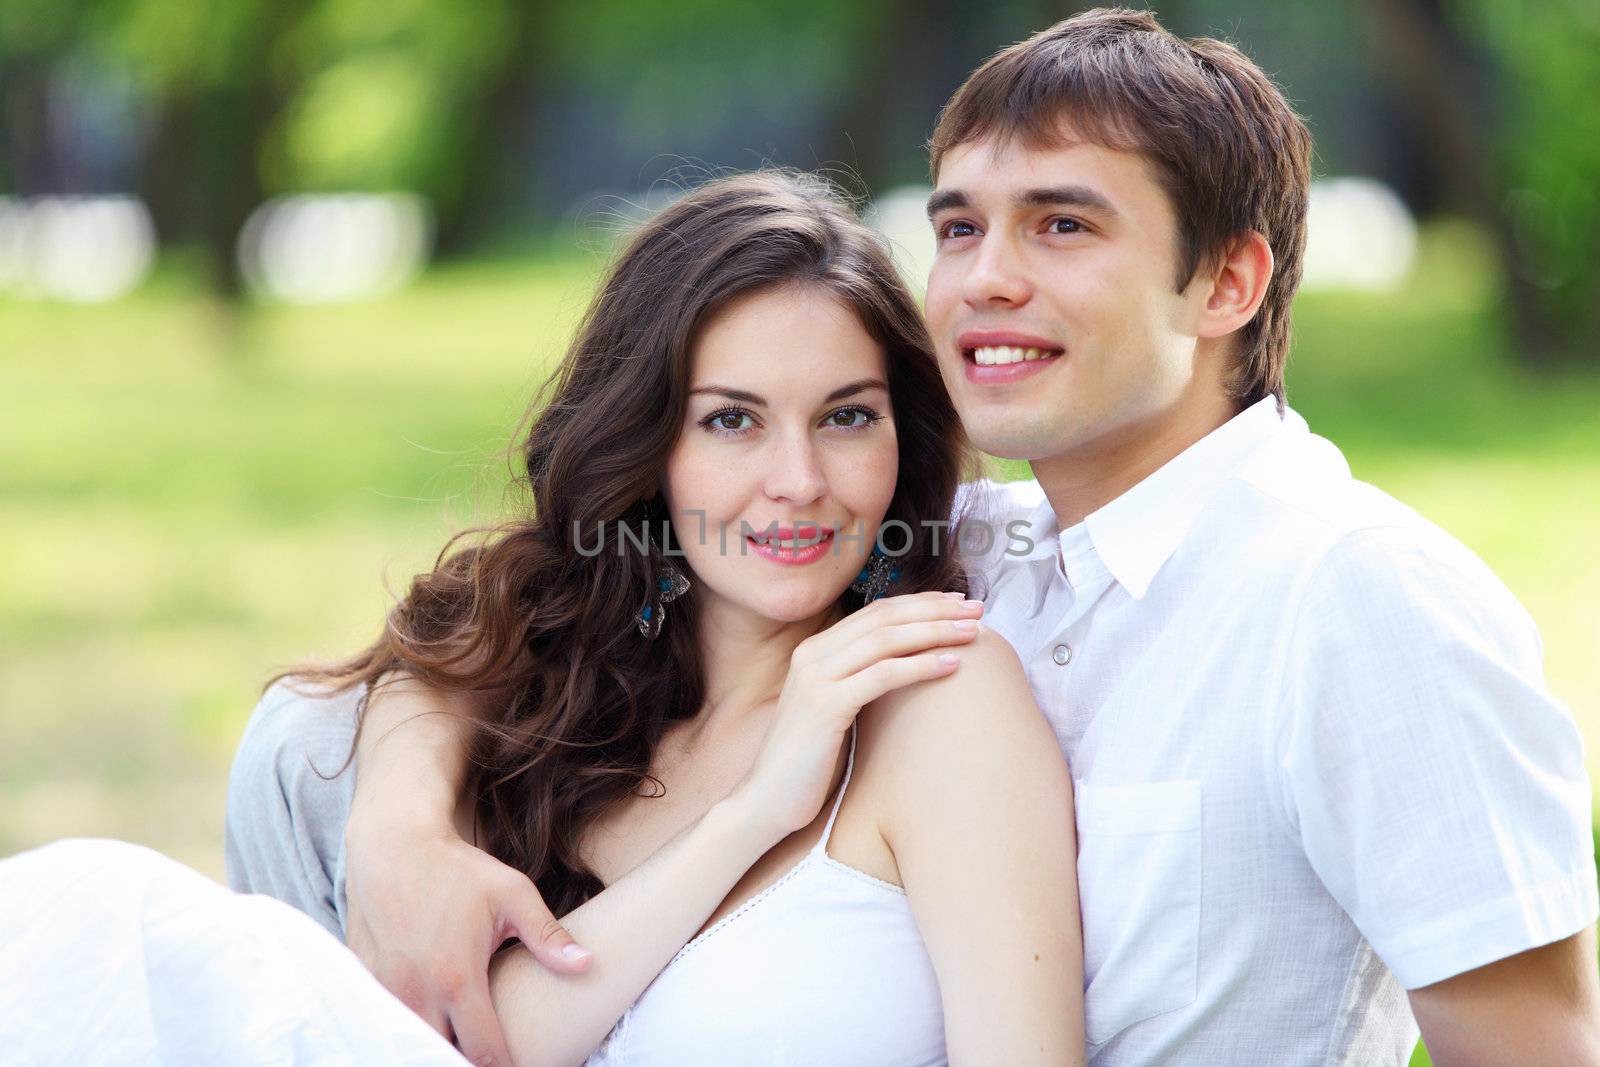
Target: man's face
[[1069, 254]]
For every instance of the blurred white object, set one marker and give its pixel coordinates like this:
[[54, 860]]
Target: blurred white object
[[1360, 236], [111, 953], [320, 249], [901, 216], [85, 249], [13, 262]]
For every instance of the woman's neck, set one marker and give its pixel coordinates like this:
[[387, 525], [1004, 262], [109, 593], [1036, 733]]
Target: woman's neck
[[746, 658]]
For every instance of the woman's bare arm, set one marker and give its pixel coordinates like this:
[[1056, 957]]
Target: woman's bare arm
[[638, 923], [979, 815], [635, 927]]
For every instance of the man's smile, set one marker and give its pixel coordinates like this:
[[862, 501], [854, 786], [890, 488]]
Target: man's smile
[[998, 357]]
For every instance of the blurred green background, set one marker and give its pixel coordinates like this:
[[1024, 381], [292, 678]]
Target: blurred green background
[[209, 473]]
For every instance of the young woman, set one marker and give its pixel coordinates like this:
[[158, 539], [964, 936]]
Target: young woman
[[764, 763]]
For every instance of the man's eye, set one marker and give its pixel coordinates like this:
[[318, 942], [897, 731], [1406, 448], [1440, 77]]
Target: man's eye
[[957, 229], [1065, 226]]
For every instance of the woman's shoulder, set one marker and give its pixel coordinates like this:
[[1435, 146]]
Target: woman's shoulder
[[988, 684], [926, 736]]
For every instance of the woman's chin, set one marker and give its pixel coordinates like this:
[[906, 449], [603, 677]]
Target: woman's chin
[[797, 606]]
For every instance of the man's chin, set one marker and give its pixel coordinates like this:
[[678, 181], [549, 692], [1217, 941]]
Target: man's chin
[[1012, 435]]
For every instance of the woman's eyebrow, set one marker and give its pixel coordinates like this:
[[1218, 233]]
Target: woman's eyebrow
[[859, 386]]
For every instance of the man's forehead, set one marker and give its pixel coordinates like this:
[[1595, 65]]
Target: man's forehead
[[1010, 169], [1014, 160]]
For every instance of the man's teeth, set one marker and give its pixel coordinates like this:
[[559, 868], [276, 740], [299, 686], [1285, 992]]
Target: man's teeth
[[999, 355]]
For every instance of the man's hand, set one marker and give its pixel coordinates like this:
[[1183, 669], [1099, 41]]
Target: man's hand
[[425, 913], [426, 909]]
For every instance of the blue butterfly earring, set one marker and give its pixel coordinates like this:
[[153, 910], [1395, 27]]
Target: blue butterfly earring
[[667, 584], [875, 578]]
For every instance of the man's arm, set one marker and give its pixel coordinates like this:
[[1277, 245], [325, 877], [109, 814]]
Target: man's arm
[[1440, 794], [1538, 1007], [428, 938]]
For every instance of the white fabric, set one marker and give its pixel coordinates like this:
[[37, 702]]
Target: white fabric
[[825, 966], [1315, 760], [112, 954]]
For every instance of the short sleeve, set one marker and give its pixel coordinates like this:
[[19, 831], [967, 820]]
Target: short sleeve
[[1439, 791], [289, 796]]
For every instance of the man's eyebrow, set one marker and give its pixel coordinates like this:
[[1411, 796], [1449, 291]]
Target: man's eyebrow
[[945, 199], [1064, 196], [1046, 196], [743, 397]]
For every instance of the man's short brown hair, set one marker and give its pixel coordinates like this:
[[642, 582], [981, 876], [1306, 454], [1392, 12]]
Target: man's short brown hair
[[1229, 150]]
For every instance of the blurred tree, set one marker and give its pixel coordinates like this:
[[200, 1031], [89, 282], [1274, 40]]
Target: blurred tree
[[1504, 104], [385, 93], [908, 59], [28, 40], [254, 97], [213, 70]]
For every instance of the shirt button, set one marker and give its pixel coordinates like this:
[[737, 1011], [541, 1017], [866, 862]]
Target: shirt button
[[1062, 654]]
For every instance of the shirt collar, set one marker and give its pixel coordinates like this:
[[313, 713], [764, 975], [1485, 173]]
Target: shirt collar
[[1138, 532]]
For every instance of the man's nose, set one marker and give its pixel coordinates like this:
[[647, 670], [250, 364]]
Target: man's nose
[[996, 276]]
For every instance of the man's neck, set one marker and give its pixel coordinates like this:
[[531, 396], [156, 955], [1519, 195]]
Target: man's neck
[[1086, 479]]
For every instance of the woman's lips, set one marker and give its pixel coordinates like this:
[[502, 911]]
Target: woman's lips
[[793, 556]]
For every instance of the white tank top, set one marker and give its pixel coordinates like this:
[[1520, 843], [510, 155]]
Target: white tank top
[[824, 966]]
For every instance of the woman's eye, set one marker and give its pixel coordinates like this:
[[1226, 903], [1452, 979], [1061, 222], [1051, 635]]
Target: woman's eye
[[730, 421], [853, 418]]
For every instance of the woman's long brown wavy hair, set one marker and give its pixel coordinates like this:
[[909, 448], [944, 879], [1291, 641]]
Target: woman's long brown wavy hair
[[575, 698]]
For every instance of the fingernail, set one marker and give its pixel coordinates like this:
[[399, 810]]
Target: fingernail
[[956, 596], [575, 952], [973, 604], [949, 659], [968, 625]]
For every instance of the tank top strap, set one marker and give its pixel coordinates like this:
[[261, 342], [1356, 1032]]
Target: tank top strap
[[849, 766]]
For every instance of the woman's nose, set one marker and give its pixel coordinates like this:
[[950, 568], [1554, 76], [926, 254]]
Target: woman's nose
[[795, 474]]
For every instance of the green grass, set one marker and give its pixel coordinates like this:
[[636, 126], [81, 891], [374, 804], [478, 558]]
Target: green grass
[[192, 496]]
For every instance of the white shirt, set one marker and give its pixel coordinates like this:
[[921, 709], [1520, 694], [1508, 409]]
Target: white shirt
[[1315, 760]]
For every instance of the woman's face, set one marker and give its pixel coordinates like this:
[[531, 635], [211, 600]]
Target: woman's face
[[788, 440]]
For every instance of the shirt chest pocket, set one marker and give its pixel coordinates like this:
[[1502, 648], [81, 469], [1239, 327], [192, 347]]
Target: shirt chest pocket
[[1139, 883]]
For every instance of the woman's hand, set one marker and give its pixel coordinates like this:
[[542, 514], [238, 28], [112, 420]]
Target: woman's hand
[[888, 644]]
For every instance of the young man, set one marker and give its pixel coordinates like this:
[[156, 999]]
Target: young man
[[1323, 797]]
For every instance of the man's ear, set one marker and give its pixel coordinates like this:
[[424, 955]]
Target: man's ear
[[1238, 285]]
